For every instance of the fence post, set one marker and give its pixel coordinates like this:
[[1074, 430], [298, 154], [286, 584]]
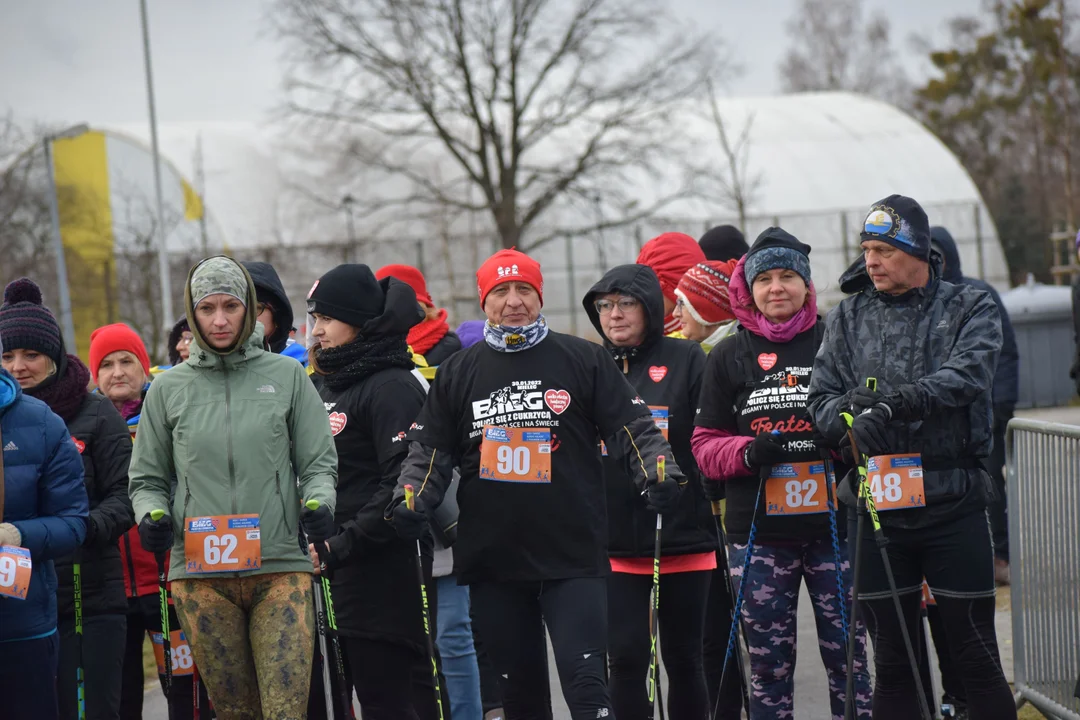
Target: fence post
[[571, 294], [979, 242], [845, 241]]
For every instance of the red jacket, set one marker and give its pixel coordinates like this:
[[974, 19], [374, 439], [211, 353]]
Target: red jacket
[[140, 567]]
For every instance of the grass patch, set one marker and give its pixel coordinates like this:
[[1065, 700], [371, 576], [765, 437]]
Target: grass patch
[[1028, 712]]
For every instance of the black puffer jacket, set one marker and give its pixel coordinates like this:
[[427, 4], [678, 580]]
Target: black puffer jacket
[[667, 374], [375, 587], [933, 351], [443, 349], [104, 442], [268, 288]]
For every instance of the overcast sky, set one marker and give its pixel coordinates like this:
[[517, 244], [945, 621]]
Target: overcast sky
[[73, 60]]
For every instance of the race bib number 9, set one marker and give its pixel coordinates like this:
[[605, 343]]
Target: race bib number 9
[[179, 650], [222, 543], [515, 454], [15, 567], [896, 481], [797, 489]]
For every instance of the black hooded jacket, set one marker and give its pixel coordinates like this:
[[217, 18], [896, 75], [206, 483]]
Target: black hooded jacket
[[1007, 373], [174, 338], [104, 442], [268, 288], [374, 583], [667, 374]]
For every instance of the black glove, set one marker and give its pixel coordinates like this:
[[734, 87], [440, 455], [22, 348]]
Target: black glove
[[846, 455], [318, 524], [410, 524], [91, 532], [764, 450], [156, 535], [662, 497], [714, 491], [863, 398], [871, 432], [330, 558]]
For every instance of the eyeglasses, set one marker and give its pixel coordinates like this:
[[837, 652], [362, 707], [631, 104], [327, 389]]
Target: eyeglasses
[[186, 338], [680, 303], [626, 304]]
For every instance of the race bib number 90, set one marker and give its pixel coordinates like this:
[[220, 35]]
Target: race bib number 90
[[896, 481], [515, 454], [797, 489], [179, 651], [15, 567], [222, 543]]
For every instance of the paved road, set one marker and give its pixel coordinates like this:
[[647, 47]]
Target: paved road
[[811, 690]]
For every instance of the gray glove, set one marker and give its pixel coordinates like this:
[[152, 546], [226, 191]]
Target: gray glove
[[10, 535]]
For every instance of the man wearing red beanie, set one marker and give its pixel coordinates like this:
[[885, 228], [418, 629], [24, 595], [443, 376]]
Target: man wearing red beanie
[[521, 413], [431, 337], [670, 255]]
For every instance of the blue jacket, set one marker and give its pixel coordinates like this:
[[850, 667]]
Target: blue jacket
[[44, 497], [1007, 373]]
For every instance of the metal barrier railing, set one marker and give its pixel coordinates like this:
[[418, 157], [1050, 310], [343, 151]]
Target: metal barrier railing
[[1043, 469]]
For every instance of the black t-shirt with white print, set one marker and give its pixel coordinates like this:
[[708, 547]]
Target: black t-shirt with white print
[[533, 507], [753, 385]]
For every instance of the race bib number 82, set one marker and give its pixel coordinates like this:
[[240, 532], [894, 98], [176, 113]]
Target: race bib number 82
[[797, 489]]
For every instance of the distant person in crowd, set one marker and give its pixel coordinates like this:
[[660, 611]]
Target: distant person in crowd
[[43, 511], [1005, 394], [470, 332], [670, 255], [35, 356], [274, 310], [179, 342], [723, 243], [702, 305], [432, 337]]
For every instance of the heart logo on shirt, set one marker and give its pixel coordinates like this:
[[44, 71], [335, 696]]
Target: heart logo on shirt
[[766, 361], [557, 400], [337, 422], [79, 444], [658, 373]]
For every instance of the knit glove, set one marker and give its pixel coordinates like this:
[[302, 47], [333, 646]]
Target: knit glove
[[764, 450], [10, 535], [662, 497]]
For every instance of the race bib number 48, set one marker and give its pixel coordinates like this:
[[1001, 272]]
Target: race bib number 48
[[222, 543], [15, 567], [516, 454], [896, 481], [180, 652], [797, 489]]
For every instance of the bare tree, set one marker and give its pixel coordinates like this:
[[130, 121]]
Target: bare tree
[[832, 47], [737, 186], [24, 209], [539, 105]]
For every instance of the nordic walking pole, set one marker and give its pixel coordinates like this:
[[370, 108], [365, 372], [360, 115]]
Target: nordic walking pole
[[80, 680], [721, 538], [410, 502], [879, 538], [327, 624], [163, 599], [654, 605]]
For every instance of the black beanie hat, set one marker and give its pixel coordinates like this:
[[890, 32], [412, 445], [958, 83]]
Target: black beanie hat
[[27, 324], [900, 222], [777, 248], [349, 293], [723, 243]]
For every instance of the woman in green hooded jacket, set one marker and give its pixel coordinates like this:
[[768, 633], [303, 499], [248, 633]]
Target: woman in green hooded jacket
[[232, 444]]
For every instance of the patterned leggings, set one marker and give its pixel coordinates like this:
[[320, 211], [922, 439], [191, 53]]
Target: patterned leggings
[[769, 612], [252, 641]]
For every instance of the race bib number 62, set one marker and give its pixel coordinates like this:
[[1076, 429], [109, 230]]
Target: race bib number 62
[[222, 543]]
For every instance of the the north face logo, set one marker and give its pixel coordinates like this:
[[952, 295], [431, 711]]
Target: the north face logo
[[267, 389]]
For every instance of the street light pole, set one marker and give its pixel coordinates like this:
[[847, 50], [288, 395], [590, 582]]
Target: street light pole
[[163, 250], [67, 321], [347, 206]]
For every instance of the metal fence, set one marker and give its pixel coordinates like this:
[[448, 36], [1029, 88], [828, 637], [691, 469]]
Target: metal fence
[[1043, 463]]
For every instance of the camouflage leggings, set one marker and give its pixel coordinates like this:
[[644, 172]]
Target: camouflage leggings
[[770, 607], [252, 641]]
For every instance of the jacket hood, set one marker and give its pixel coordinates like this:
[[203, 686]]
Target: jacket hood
[[470, 332], [637, 281], [267, 283], [249, 326], [400, 311], [950, 255], [10, 390], [855, 279]]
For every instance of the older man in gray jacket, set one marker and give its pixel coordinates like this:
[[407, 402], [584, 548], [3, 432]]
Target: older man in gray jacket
[[932, 347]]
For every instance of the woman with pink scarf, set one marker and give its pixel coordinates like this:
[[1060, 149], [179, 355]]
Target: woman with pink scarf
[[753, 435]]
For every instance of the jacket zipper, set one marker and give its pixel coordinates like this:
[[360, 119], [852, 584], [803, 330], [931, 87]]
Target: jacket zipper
[[228, 439]]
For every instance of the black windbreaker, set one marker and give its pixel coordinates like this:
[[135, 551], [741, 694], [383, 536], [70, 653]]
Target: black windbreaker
[[267, 282], [667, 374], [103, 440], [374, 586]]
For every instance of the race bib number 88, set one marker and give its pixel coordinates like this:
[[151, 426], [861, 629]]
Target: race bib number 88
[[222, 543], [515, 454], [179, 651]]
